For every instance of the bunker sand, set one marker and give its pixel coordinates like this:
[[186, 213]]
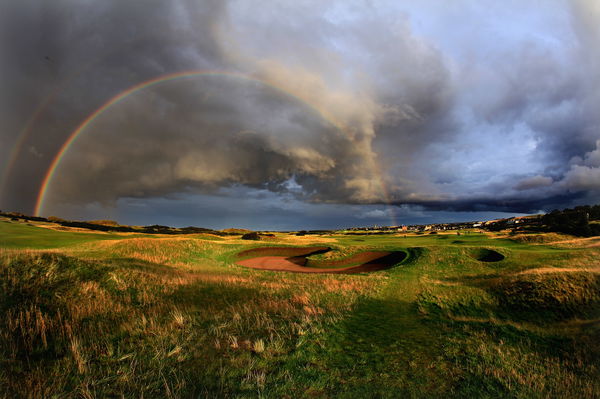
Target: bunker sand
[[289, 259]]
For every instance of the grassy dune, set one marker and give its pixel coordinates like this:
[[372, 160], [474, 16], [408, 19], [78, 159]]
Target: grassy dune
[[111, 315]]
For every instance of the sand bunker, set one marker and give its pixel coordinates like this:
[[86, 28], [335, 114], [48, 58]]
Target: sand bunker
[[291, 259]]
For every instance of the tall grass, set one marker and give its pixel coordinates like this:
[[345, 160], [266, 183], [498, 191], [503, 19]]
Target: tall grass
[[95, 328]]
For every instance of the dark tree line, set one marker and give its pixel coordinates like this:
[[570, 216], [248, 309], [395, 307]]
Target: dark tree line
[[574, 221]]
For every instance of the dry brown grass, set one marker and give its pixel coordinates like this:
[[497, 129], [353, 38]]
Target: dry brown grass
[[58, 227], [427, 280], [172, 251], [146, 293], [351, 285], [546, 270], [305, 240]]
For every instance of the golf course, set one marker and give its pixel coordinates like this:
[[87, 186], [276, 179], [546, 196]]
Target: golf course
[[88, 314]]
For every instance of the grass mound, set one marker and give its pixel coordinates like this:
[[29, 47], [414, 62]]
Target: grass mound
[[539, 238], [551, 295], [486, 255]]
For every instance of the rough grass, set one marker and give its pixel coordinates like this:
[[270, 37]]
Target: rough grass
[[100, 316], [90, 328], [550, 295]]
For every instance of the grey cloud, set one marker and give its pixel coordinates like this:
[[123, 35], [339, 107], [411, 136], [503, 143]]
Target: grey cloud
[[66, 58], [356, 107], [534, 182], [584, 174], [333, 159], [580, 178], [591, 158]]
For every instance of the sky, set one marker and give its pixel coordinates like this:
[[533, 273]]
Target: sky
[[303, 114]]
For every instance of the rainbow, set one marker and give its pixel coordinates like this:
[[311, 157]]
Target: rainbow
[[46, 182]]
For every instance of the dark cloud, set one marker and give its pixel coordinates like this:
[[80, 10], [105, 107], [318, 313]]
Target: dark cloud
[[67, 58], [348, 103], [522, 205], [534, 182]]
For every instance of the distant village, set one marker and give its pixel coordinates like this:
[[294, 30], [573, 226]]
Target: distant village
[[514, 223]]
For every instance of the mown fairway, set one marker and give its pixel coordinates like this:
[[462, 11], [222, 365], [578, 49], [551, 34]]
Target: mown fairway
[[86, 314]]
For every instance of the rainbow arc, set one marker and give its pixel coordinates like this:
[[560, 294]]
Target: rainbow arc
[[47, 181]]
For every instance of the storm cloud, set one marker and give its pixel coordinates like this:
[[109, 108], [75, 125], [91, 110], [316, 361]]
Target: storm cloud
[[470, 107]]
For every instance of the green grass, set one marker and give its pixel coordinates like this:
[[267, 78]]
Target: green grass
[[22, 235], [108, 315]]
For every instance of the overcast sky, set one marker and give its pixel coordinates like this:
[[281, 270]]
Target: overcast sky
[[319, 115]]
